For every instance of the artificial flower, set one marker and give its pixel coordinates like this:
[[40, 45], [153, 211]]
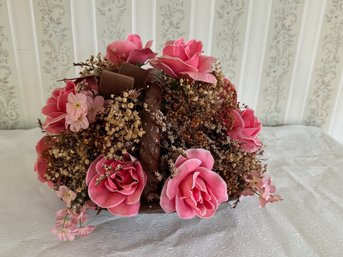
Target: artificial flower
[[76, 105], [263, 187], [76, 125], [116, 185], [245, 128], [195, 190], [95, 106], [66, 195], [55, 109], [130, 50], [180, 58], [84, 231], [63, 234]]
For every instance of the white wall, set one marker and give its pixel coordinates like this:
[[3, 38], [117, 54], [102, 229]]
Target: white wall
[[285, 56]]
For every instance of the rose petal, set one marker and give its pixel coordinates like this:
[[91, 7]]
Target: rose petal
[[125, 210], [216, 182], [176, 64], [142, 178], [136, 39], [162, 66], [203, 155], [204, 77], [167, 204], [183, 210], [205, 63], [193, 47], [183, 170], [175, 51], [100, 195], [140, 56], [148, 44]]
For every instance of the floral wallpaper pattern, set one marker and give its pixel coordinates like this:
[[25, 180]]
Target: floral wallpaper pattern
[[9, 108], [55, 40], [227, 22], [329, 68], [172, 20], [114, 20], [229, 36], [278, 66]]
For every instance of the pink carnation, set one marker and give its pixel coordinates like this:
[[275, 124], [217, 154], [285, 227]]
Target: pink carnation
[[130, 50], [195, 190], [180, 58], [245, 129], [116, 185], [55, 109]]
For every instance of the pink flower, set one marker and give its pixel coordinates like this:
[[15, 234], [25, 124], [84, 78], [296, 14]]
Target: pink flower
[[266, 192], [76, 125], [63, 234], [66, 195], [195, 190], [245, 129], [263, 187], [181, 57], [116, 184], [95, 105], [76, 105], [55, 109], [129, 50], [84, 231], [67, 221]]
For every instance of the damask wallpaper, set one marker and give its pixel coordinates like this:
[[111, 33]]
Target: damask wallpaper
[[284, 56]]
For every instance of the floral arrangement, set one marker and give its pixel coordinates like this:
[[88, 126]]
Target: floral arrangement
[[136, 132]]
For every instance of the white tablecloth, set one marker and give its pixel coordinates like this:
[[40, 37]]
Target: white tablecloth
[[306, 165]]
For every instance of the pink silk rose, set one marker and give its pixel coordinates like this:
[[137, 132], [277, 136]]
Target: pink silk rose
[[116, 184], [245, 129], [55, 109], [41, 163], [195, 190], [130, 50], [181, 58]]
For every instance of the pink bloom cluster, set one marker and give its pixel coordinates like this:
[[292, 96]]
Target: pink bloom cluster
[[69, 109], [70, 224], [264, 188], [55, 109]]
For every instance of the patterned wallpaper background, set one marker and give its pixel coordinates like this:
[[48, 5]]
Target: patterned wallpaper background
[[284, 56]]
